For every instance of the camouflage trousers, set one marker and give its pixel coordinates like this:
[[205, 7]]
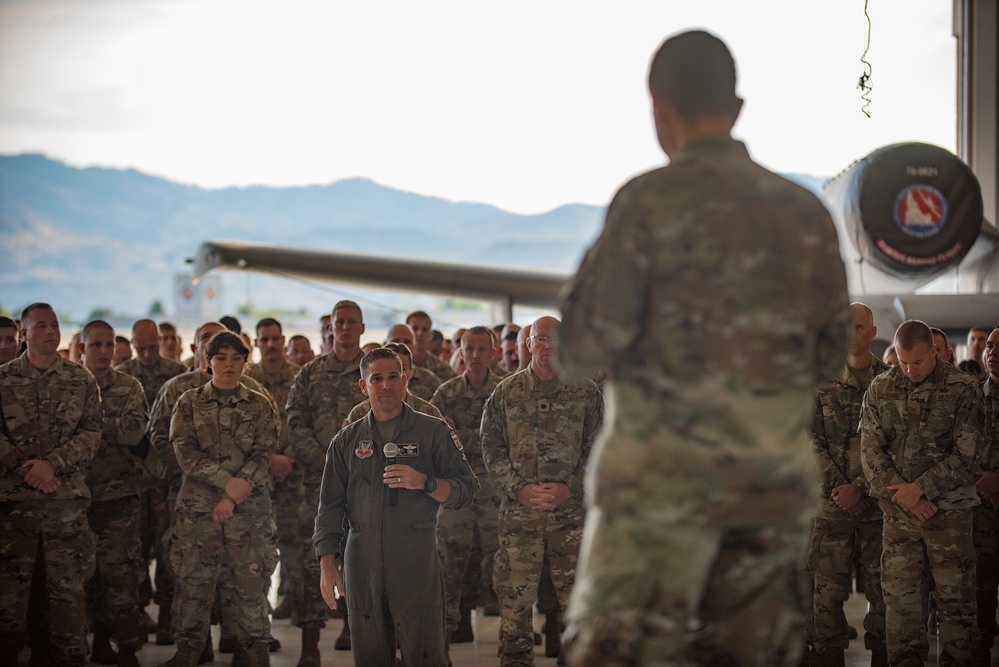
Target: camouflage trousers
[[835, 542], [314, 611], [197, 555], [986, 540], [113, 591], [460, 533], [940, 550], [525, 537], [651, 592], [57, 531], [286, 500]]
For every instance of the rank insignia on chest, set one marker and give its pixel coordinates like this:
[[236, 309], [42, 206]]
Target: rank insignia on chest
[[364, 449], [409, 449]]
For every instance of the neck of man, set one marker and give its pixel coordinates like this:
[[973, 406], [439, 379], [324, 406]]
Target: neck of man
[[543, 373], [862, 360], [100, 374], [419, 356], [381, 415], [476, 380], [152, 363], [346, 353], [272, 365], [41, 361]]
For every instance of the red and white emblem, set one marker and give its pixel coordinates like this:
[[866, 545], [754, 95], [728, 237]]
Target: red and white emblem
[[920, 210]]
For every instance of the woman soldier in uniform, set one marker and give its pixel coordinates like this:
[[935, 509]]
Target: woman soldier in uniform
[[222, 433]]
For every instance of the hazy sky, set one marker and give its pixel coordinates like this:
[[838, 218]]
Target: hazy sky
[[526, 105]]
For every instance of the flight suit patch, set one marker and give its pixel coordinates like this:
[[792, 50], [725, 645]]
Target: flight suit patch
[[457, 442], [409, 449], [364, 449]]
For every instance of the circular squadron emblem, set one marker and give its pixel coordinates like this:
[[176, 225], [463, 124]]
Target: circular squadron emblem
[[920, 210]]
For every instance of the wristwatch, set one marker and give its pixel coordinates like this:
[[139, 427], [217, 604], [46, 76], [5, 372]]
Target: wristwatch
[[431, 484]]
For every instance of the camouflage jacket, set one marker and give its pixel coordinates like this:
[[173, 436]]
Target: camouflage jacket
[[988, 453], [54, 414], [321, 397], [219, 435], [114, 472], [438, 367], [415, 402], [424, 382], [160, 418], [927, 433], [152, 378], [716, 300], [836, 430], [462, 404], [279, 386], [534, 432]]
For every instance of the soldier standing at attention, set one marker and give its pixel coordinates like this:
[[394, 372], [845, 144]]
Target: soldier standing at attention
[[703, 490], [920, 432], [8, 340], [321, 397], [410, 399], [986, 519], [50, 429], [849, 519], [114, 517], [387, 511], [536, 435], [423, 328], [461, 400], [276, 374], [223, 434]]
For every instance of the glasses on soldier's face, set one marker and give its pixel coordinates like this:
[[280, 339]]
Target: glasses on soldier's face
[[543, 340]]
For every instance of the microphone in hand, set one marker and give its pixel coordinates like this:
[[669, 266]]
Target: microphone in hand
[[391, 450]]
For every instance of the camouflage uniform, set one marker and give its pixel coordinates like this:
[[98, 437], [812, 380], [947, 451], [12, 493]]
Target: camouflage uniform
[[435, 365], [286, 496], [716, 300], [51, 414], [154, 490], [390, 568], [413, 401], [114, 514], [926, 433], [218, 435], [321, 397], [837, 535], [534, 432], [461, 403], [423, 383], [986, 524]]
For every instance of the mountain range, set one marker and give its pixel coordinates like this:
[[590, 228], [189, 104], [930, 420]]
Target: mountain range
[[89, 238]]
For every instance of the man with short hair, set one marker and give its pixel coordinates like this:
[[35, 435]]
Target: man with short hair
[[536, 435], [170, 346], [9, 341], [321, 397], [114, 514], [422, 327], [276, 373], [410, 399], [326, 331], [385, 512], [510, 361], [920, 429], [422, 381], [299, 351], [849, 520], [945, 351], [461, 400], [149, 367], [122, 351], [523, 353], [715, 299], [50, 427], [986, 518], [977, 337]]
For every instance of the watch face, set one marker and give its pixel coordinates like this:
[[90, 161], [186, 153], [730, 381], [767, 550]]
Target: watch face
[[431, 484]]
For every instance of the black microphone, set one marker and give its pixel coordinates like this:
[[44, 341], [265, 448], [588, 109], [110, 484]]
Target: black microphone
[[391, 450]]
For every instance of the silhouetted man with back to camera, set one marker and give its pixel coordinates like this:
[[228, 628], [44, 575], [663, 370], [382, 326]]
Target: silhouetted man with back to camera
[[702, 490]]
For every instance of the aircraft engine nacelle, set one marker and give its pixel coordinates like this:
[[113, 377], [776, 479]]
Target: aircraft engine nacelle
[[910, 210]]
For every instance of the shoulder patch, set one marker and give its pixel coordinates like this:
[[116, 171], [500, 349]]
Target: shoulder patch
[[364, 449], [457, 442]]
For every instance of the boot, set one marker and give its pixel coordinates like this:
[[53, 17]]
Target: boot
[[126, 657], [283, 610], [186, 656], [164, 627], [207, 654], [226, 645], [553, 636], [463, 632], [101, 651], [273, 645], [240, 656], [830, 657], [310, 648], [148, 623], [879, 657], [342, 642], [258, 656]]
